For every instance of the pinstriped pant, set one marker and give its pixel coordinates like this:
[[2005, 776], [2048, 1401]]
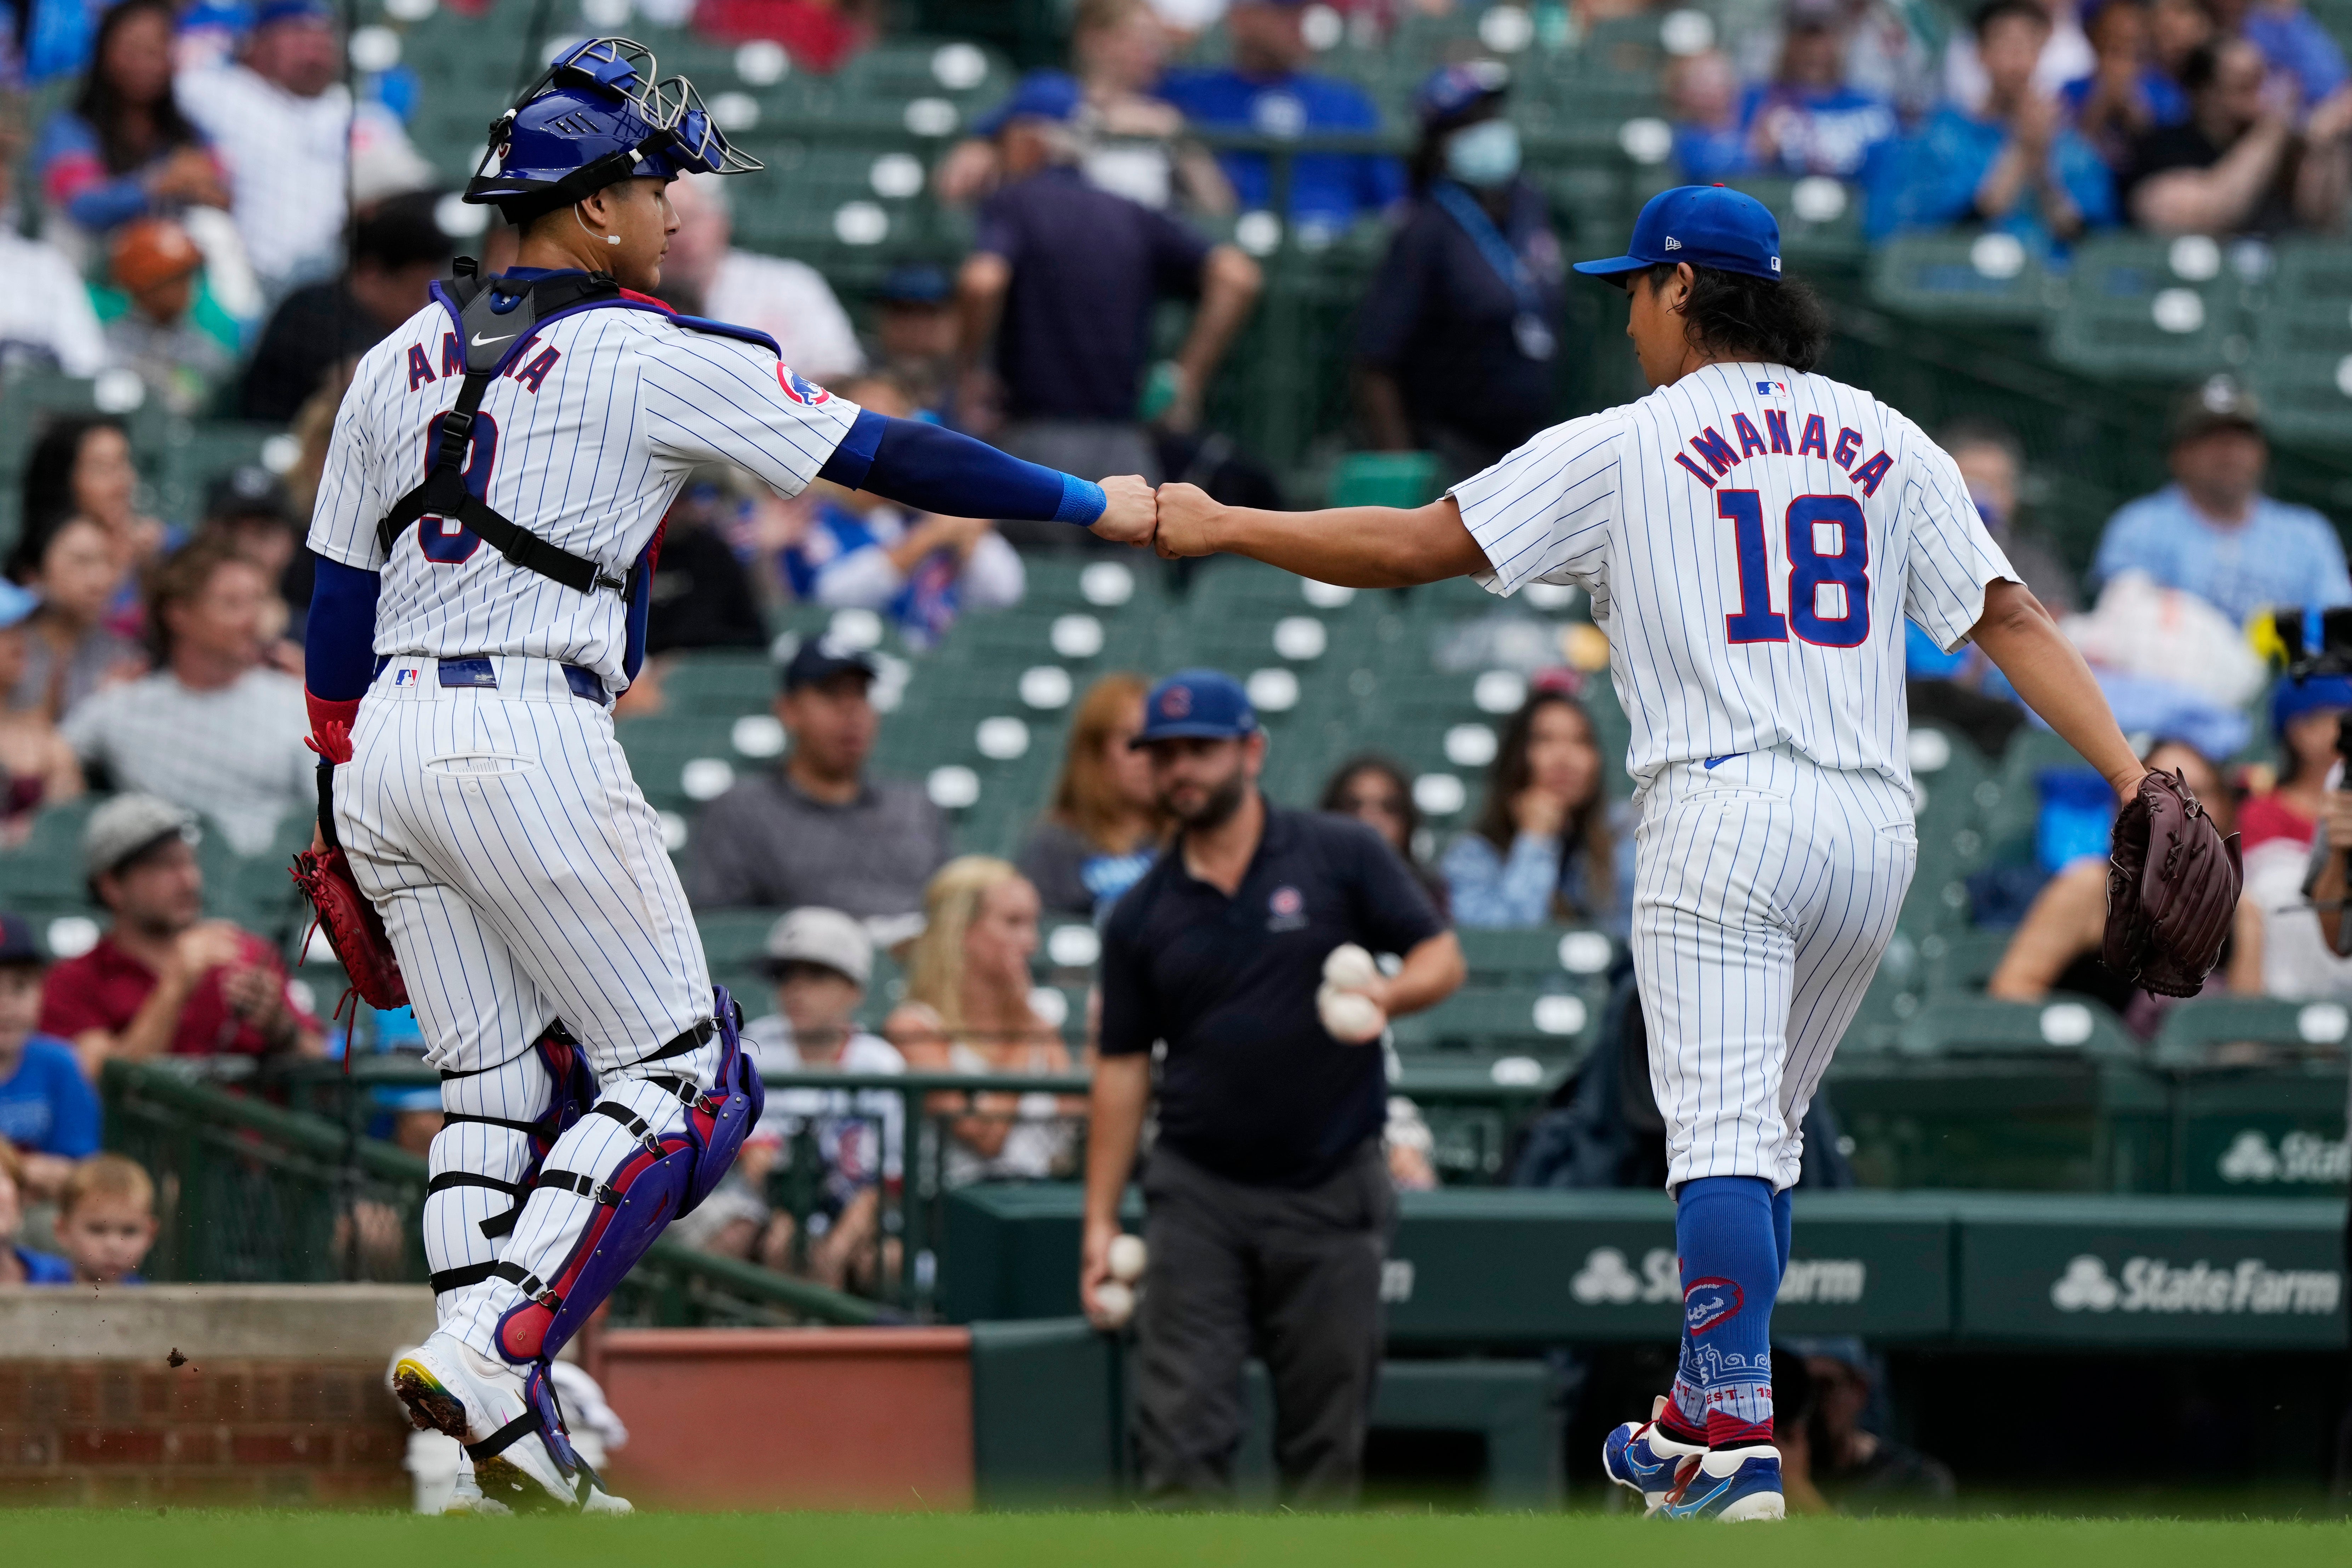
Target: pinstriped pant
[[1765, 890]]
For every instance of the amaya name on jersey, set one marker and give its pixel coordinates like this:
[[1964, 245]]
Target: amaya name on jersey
[[532, 371], [1812, 441]]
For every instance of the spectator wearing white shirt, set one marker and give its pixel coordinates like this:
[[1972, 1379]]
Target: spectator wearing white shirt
[[45, 313], [281, 118], [705, 275], [213, 731], [823, 961], [863, 552]]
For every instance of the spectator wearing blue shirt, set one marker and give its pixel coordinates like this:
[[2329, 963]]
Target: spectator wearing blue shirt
[[1458, 339], [1548, 845], [2014, 168], [1807, 121], [1065, 277], [1264, 91], [2213, 532], [2291, 39], [21, 1264], [2127, 95], [1703, 97], [47, 1108]]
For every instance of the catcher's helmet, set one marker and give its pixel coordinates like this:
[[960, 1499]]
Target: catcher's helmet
[[597, 116]]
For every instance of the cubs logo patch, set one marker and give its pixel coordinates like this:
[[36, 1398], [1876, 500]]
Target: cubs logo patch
[[1176, 702], [1708, 1302], [1286, 909], [800, 388]]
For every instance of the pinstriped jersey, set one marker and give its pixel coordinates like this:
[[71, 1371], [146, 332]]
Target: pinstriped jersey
[[1752, 538], [584, 437]]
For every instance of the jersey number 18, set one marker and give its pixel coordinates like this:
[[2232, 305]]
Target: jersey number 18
[[1809, 571]]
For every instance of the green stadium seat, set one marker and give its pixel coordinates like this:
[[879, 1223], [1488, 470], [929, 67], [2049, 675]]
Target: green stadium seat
[[2061, 1025], [680, 762], [719, 685], [1960, 961], [1385, 479], [1505, 1021], [1820, 218], [1535, 956], [2235, 1031], [2158, 309], [1986, 279]]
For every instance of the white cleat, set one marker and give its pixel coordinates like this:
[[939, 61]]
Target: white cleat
[[467, 1496], [451, 1388]]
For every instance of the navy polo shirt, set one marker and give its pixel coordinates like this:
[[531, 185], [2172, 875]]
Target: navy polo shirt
[[1252, 1087], [1087, 269], [1438, 319]]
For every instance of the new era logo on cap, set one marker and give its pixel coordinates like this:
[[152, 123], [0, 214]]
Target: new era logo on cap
[[1672, 244]]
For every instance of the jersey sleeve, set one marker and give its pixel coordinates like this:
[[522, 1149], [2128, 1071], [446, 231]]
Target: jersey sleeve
[[1950, 557], [710, 398], [352, 498], [1128, 1008], [1543, 512]]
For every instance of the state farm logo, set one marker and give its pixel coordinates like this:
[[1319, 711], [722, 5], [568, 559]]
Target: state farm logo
[[1608, 1280], [2153, 1285], [2301, 1159]]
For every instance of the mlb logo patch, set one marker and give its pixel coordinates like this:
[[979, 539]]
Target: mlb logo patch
[[1772, 389], [1708, 1302], [800, 388], [405, 676]]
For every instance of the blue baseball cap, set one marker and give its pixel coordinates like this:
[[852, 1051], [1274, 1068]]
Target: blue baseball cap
[[1196, 704], [277, 11], [1707, 225], [2293, 698], [1041, 95], [1452, 91]]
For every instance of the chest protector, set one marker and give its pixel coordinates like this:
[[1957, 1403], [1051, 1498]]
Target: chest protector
[[495, 317]]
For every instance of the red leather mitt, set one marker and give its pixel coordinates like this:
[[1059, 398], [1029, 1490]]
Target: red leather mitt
[[353, 928], [2172, 889]]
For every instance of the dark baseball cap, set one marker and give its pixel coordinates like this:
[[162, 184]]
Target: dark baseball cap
[[1452, 91], [1196, 704], [1707, 225], [820, 659], [16, 943], [2220, 404], [248, 490], [1041, 95], [915, 283]]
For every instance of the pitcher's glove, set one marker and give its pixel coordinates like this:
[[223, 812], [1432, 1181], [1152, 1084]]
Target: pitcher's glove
[[353, 928], [2172, 889]]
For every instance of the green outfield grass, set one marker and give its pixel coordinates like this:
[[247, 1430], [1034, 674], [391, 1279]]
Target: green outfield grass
[[202, 1539]]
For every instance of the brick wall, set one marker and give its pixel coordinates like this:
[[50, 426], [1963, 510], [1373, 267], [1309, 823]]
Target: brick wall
[[91, 1412]]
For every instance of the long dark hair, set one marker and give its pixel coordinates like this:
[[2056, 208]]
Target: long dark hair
[[1335, 792], [105, 108], [1734, 316], [1588, 825], [49, 497]]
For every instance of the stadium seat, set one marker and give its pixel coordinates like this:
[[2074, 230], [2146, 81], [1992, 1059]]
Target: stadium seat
[[2157, 309], [1976, 1026], [1959, 961], [2235, 1030], [1987, 280], [1385, 479]]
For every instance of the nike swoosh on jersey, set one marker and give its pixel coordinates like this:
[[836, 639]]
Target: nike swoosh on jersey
[[481, 341]]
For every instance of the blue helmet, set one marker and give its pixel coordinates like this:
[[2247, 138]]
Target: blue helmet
[[598, 116]]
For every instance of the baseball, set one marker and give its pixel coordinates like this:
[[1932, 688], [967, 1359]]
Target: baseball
[[1350, 968], [1351, 1016], [1126, 1259], [1114, 1303]]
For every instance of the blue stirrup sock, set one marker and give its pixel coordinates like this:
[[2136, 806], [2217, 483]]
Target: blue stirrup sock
[[1732, 1233]]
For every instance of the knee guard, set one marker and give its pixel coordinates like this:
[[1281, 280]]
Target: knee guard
[[566, 1066], [657, 1177]]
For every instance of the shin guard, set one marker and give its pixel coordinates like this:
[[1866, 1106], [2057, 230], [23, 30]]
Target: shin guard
[[485, 1145], [680, 1140]]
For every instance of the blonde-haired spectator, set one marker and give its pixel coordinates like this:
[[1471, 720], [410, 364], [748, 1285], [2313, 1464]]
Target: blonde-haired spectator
[[968, 1010], [106, 1220], [1105, 826]]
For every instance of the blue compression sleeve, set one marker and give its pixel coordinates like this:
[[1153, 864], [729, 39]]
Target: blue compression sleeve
[[934, 470], [338, 641]]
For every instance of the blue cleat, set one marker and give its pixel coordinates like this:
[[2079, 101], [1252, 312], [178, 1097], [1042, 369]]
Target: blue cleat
[[1734, 1485], [1641, 1458]]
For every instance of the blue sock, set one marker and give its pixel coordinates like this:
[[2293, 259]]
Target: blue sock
[[1731, 1234], [1782, 1229]]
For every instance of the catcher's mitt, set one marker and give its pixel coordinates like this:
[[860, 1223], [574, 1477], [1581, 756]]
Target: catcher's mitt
[[2172, 889], [353, 928]]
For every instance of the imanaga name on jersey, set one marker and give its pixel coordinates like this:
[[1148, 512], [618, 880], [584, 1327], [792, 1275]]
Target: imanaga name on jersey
[[452, 363], [1813, 441]]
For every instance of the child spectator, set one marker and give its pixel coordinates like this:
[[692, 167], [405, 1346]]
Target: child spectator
[[106, 1220], [1710, 136], [864, 552], [1548, 845], [179, 349], [71, 568], [21, 1264], [1105, 826], [37, 767], [47, 1112], [2014, 167]]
